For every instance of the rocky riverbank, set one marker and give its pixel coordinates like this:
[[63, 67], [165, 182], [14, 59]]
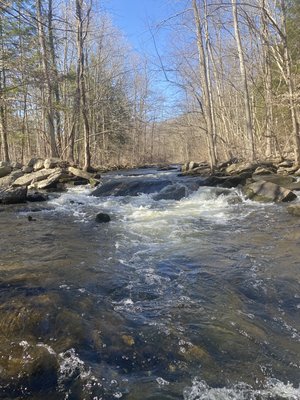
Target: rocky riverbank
[[264, 181], [31, 182]]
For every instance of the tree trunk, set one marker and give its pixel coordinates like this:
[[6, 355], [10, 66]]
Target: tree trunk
[[3, 118], [46, 70], [81, 35], [291, 86], [249, 125], [204, 75]]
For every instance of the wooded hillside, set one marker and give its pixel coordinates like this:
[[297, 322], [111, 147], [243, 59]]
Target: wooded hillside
[[71, 87]]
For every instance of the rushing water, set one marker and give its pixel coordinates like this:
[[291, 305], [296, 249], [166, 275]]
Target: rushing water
[[191, 299]]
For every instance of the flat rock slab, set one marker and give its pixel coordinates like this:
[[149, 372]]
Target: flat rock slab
[[79, 173], [27, 179], [264, 191]]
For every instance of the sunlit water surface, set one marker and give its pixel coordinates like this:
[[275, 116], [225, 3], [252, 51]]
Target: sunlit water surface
[[197, 298]]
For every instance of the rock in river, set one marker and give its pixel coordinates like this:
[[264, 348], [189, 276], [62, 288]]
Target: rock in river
[[102, 218], [13, 195], [130, 187], [268, 192]]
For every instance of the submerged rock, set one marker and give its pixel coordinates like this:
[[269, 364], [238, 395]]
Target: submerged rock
[[130, 187], [268, 192], [102, 218], [171, 192]]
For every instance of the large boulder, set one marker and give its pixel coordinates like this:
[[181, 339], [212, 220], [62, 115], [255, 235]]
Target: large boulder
[[27, 179], [9, 179], [5, 170], [228, 181], [268, 192], [13, 195], [280, 180]]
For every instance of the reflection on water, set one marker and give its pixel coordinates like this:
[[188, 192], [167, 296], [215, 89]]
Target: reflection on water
[[190, 299]]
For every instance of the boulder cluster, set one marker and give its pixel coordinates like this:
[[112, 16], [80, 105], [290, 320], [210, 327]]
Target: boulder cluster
[[31, 182], [264, 181]]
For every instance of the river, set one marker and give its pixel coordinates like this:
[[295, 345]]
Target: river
[[195, 298]]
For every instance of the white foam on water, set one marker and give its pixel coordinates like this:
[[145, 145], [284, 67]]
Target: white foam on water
[[274, 389]]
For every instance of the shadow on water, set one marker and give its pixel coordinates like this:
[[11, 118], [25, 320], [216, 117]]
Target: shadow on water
[[136, 309]]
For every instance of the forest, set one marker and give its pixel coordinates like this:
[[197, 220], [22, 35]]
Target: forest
[[72, 87]]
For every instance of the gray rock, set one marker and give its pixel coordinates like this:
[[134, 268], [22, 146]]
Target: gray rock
[[130, 187], [239, 168], [287, 170], [102, 218], [9, 179], [263, 171], [13, 195], [171, 192], [51, 163], [294, 210], [27, 179], [286, 163], [228, 181], [34, 196], [32, 161], [27, 170], [268, 192], [79, 173], [5, 170], [280, 180], [39, 164], [4, 164], [16, 165], [50, 181]]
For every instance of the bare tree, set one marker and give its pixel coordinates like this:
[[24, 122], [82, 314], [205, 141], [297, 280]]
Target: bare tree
[[247, 107]]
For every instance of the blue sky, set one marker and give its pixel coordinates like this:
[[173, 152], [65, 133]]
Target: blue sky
[[133, 17]]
